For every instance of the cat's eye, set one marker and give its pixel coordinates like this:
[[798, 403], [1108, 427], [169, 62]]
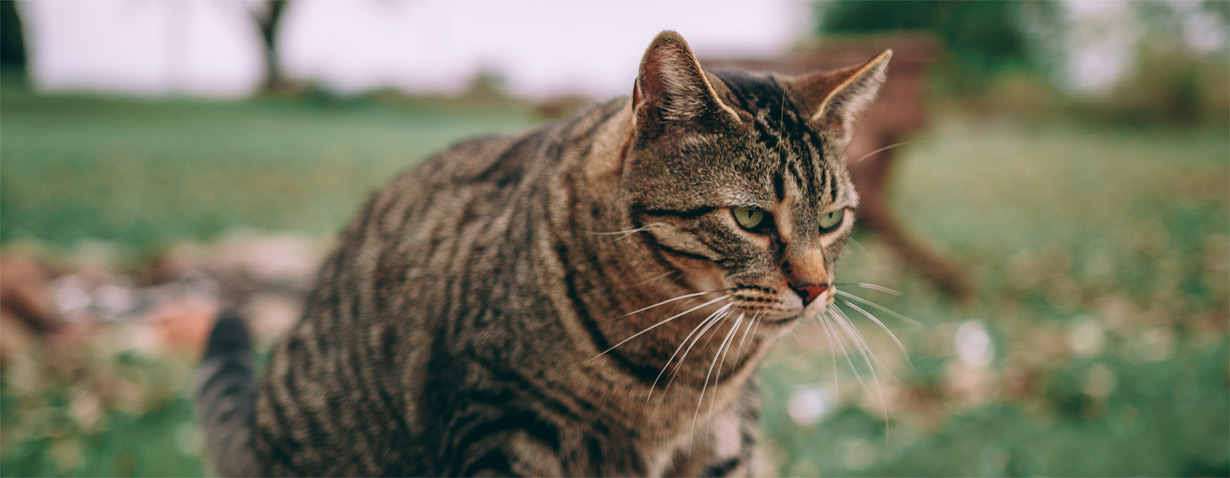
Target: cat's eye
[[749, 218], [830, 221]]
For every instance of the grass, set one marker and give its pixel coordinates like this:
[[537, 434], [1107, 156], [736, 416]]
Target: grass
[[147, 174], [1100, 256]]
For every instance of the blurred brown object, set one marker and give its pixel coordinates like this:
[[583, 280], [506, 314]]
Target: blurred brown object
[[25, 294], [899, 111], [27, 314], [183, 324]]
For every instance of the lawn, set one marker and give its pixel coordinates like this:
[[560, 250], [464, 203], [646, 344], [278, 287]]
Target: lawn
[[1096, 342]]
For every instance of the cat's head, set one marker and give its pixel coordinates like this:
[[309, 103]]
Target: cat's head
[[740, 178]]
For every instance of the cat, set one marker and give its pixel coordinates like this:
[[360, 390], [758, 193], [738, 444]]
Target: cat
[[590, 297]]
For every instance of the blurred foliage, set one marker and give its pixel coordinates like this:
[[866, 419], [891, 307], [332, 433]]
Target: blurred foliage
[[982, 38], [1009, 58], [1171, 88], [1101, 254], [1171, 85], [117, 413], [12, 37]]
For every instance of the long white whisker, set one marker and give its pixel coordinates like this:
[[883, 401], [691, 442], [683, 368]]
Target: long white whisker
[[867, 357], [891, 146], [878, 306], [859, 244], [757, 329], [710, 320], [751, 323], [890, 333], [846, 353], [738, 322], [627, 232], [667, 301], [701, 398], [849, 324], [682, 358], [828, 335], [656, 277], [654, 326], [878, 287]]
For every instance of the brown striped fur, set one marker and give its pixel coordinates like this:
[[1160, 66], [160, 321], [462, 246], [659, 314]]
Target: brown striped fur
[[468, 322]]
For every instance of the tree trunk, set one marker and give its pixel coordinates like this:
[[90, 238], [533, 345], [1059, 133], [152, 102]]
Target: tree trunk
[[12, 36], [269, 21]]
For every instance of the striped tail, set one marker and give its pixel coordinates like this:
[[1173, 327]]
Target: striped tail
[[224, 393]]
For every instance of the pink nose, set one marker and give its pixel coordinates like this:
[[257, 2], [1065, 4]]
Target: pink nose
[[809, 292]]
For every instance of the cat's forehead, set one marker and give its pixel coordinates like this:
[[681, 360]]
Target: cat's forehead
[[792, 154]]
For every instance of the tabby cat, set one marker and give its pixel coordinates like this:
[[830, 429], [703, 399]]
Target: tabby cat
[[590, 297]]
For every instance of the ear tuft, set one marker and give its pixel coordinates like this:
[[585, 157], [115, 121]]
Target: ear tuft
[[837, 97], [671, 87]]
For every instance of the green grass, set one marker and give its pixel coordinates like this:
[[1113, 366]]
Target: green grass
[[145, 174], [1100, 259]]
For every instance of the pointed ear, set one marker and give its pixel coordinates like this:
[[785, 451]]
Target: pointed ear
[[671, 88], [837, 97]]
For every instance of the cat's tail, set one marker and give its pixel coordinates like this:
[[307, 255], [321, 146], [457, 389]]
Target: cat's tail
[[224, 392]]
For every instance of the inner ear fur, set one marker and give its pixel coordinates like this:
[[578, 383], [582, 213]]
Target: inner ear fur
[[672, 88], [837, 97]]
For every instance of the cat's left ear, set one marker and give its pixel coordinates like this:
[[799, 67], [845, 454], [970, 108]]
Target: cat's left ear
[[836, 97]]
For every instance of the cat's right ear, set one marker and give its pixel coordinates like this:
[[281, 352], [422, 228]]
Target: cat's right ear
[[835, 98], [672, 89]]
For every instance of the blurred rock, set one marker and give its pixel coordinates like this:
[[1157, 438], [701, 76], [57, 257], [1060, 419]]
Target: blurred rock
[[287, 258], [271, 315]]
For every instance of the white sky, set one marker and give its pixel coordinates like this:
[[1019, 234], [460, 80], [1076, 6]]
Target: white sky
[[542, 48]]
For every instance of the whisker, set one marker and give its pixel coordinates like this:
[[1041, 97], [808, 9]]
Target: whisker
[[657, 277], [679, 364], [846, 352], [701, 398], [832, 347], [710, 320], [862, 343], [890, 333], [891, 146], [838, 325], [721, 363], [868, 356], [868, 285], [654, 326], [751, 323], [628, 232], [878, 306], [667, 301], [860, 245]]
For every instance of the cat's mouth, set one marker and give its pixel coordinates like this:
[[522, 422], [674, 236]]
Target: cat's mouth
[[779, 309]]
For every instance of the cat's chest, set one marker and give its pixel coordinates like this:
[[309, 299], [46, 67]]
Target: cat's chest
[[717, 440]]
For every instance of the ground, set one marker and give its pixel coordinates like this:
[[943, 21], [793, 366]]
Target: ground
[[1096, 342]]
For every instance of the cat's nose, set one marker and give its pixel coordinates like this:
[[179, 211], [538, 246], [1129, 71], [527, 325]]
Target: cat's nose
[[807, 291]]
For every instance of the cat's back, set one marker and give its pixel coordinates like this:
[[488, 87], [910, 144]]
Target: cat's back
[[428, 254]]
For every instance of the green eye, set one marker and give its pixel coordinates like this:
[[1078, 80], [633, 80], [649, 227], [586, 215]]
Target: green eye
[[831, 220], [748, 218]]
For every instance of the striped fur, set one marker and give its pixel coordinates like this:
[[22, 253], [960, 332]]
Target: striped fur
[[481, 315]]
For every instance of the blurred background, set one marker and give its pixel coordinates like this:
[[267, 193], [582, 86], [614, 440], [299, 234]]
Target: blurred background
[[1052, 211]]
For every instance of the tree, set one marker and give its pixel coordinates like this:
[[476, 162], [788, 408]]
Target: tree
[[269, 20], [12, 40], [983, 37]]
